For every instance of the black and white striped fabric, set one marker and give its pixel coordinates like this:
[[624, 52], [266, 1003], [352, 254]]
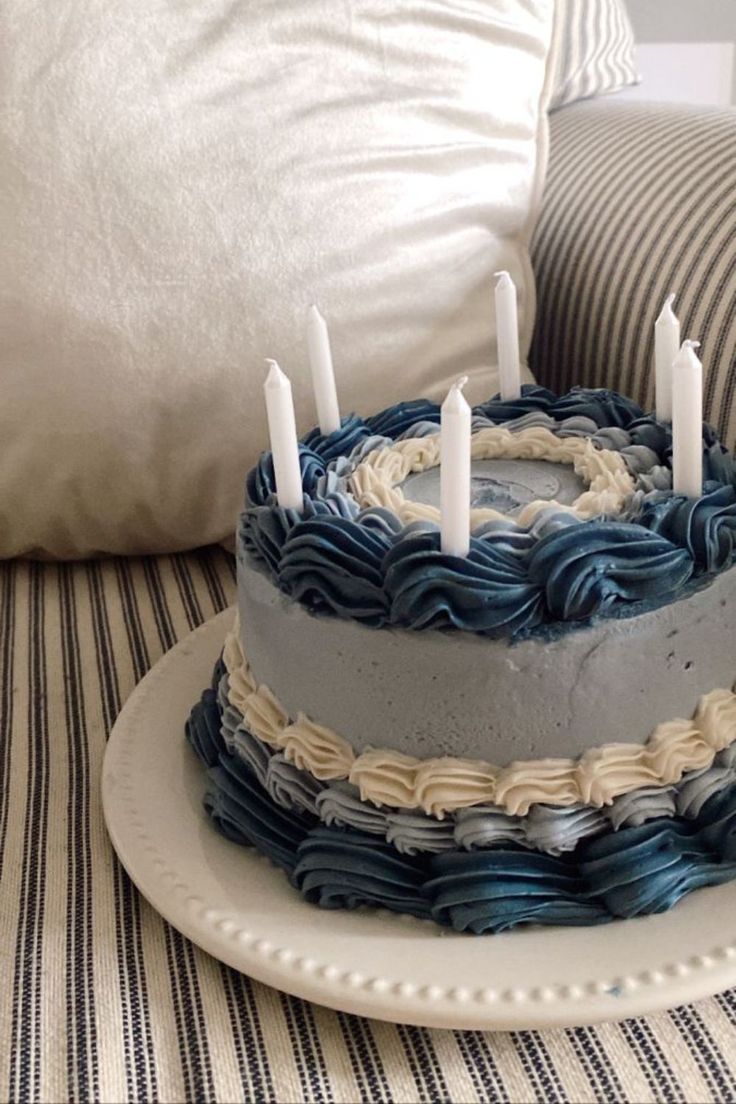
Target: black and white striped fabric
[[593, 50], [640, 202], [102, 1000]]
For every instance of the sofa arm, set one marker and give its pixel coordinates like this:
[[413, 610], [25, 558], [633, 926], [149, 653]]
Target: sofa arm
[[640, 201]]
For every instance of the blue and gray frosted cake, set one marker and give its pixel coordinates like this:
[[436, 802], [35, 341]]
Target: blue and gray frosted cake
[[543, 731]]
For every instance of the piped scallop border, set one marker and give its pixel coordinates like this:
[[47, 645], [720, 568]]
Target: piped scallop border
[[609, 484]]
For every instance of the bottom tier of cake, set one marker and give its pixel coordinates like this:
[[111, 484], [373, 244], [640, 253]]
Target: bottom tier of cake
[[610, 872]]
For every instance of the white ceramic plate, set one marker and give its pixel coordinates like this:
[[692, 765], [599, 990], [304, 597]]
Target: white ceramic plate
[[235, 905]]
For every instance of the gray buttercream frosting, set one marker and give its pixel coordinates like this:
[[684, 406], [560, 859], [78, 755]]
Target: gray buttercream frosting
[[414, 832], [635, 808], [291, 787], [367, 445], [252, 751], [641, 459], [656, 479], [485, 826], [339, 805], [576, 426], [727, 757], [422, 428], [223, 688], [613, 437], [696, 788], [556, 829], [230, 721], [437, 693]]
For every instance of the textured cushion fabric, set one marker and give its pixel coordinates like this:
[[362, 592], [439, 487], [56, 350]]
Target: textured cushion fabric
[[639, 203], [103, 1001], [179, 181], [594, 50]]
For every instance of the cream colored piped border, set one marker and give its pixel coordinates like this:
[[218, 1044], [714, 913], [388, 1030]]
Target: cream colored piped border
[[442, 785], [375, 481]]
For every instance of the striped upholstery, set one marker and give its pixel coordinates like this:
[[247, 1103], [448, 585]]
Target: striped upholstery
[[103, 1001], [593, 50], [639, 202]]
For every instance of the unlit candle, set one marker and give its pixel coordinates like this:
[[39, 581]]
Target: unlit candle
[[455, 472], [507, 337], [666, 348], [687, 422], [284, 442], [323, 375]]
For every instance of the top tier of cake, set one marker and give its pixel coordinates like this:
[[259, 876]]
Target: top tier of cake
[[593, 606], [574, 518]]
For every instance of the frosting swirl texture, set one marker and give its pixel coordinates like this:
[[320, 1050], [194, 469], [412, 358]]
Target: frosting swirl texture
[[487, 591], [590, 569], [705, 527], [336, 564]]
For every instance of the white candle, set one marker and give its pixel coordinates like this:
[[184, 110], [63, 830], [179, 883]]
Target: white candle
[[687, 422], [284, 443], [666, 348], [455, 472], [323, 375], [507, 337]]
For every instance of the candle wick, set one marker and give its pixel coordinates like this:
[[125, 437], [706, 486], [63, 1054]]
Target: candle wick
[[460, 383], [688, 344], [670, 299]]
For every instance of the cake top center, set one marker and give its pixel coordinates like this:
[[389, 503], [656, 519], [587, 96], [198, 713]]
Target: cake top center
[[503, 485]]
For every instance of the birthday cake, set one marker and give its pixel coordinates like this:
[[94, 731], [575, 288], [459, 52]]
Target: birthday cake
[[542, 730]]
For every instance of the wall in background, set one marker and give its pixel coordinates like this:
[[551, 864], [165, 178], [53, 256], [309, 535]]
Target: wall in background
[[687, 49], [683, 20]]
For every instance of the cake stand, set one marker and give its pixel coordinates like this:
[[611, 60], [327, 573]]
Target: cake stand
[[235, 905]]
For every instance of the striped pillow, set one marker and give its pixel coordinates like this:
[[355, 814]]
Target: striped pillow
[[593, 50], [621, 227]]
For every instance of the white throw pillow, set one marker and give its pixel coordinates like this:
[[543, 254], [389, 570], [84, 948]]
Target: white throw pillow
[[180, 180]]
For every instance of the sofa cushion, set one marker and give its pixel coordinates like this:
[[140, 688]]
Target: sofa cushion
[[178, 181]]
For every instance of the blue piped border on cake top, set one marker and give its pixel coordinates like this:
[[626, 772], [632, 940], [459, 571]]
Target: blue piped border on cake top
[[335, 558]]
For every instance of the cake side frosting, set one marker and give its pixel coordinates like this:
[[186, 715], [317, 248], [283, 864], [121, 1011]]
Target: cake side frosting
[[440, 785], [438, 694]]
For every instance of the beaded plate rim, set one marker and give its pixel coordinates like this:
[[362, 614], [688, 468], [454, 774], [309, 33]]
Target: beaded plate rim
[[371, 962]]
